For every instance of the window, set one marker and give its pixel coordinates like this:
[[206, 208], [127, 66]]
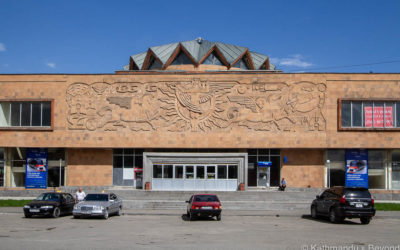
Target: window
[[154, 64], [179, 172], [210, 172], [213, 59], [232, 172], [125, 160], [242, 63], [182, 58], [1, 167], [157, 171], [22, 114], [372, 114], [222, 172], [168, 170], [189, 172], [200, 172]]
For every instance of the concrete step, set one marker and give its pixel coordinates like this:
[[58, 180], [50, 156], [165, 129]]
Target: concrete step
[[227, 205]]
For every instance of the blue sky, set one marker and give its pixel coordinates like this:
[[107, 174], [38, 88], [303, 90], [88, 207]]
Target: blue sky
[[99, 36]]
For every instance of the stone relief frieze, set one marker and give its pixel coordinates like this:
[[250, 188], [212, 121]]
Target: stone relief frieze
[[196, 105]]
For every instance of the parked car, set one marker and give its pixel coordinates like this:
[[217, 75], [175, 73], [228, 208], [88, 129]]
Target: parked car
[[101, 205], [50, 204], [344, 202], [204, 205]]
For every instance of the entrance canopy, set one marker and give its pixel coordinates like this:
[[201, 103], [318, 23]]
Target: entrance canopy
[[195, 171]]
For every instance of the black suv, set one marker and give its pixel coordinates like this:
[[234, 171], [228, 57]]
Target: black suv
[[344, 202]]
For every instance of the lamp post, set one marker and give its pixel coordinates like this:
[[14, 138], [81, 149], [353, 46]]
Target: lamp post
[[329, 173], [60, 172]]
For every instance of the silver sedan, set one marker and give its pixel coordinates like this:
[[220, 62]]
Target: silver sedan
[[102, 205]]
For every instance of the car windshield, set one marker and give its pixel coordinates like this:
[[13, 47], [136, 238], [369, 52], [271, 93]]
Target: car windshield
[[96, 197], [357, 193], [49, 197], [205, 198]]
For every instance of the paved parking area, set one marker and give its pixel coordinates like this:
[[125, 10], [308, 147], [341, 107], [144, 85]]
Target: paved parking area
[[172, 230]]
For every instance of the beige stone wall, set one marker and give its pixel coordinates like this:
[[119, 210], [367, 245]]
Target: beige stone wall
[[159, 114], [304, 168], [89, 167]]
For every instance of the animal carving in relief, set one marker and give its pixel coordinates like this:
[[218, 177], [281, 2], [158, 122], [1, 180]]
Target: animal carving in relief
[[196, 105], [123, 102]]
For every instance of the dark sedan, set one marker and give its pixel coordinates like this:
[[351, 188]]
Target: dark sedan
[[50, 204], [339, 203]]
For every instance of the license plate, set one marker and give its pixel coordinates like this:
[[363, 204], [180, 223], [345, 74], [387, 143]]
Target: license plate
[[359, 205], [206, 207], [34, 210]]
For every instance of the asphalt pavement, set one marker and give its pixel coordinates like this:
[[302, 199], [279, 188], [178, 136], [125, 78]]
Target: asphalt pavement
[[171, 229]]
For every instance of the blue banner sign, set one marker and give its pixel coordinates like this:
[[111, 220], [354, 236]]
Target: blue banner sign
[[357, 168], [36, 168], [264, 164]]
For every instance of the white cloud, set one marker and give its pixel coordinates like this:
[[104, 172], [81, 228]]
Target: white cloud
[[294, 60], [51, 65], [2, 47]]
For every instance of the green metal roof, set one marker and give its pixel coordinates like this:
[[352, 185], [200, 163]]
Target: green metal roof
[[198, 49]]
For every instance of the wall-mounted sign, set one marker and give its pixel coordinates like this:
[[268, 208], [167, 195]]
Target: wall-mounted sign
[[264, 164], [36, 168], [357, 168]]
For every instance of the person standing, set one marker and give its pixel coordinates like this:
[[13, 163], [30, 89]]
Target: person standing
[[80, 195]]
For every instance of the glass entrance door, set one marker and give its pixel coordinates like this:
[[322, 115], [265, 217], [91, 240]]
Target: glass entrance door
[[221, 177], [263, 176], [396, 170], [1, 167]]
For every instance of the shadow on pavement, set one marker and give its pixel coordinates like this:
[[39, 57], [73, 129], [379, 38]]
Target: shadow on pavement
[[326, 220], [201, 218]]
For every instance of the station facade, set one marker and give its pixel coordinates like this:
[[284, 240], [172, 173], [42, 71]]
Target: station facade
[[199, 115]]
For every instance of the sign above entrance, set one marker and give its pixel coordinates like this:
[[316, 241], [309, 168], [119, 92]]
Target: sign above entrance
[[264, 164]]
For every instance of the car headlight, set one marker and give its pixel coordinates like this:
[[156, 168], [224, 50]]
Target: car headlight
[[46, 207], [27, 206], [77, 207]]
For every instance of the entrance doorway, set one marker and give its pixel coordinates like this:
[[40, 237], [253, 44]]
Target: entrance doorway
[[264, 176], [195, 171], [221, 177]]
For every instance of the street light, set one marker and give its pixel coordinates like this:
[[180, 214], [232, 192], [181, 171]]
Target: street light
[[329, 173]]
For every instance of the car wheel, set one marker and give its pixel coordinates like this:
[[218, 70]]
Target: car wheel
[[28, 215], [105, 216], [332, 216], [76, 217], [119, 212], [219, 217], [314, 212], [191, 216], [365, 220], [56, 212]]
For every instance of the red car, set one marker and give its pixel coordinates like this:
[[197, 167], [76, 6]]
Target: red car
[[204, 205]]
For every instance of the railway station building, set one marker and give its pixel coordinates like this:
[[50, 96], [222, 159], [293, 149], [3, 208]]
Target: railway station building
[[198, 115]]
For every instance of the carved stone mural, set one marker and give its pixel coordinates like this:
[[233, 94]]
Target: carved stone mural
[[196, 105]]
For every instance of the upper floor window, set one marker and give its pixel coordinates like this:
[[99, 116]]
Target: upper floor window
[[182, 58], [154, 64], [241, 64], [25, 114], [213, 59], [369, 114]]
